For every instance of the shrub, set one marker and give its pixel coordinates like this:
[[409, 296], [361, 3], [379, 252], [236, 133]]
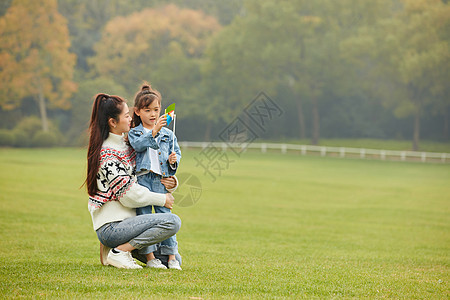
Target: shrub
[[7, 138], [22, 140], [29, 125], [44, 139], [29, 133]]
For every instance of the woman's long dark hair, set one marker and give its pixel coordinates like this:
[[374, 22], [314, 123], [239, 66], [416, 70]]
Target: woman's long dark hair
[[143, 99], [104, 108]]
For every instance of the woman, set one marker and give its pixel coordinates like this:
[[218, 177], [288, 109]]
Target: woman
[[114, 193]]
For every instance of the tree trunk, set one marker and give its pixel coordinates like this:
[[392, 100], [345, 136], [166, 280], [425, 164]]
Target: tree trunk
[[43, 110], [445, 133], [316, 122], [416, 136], [207, 136], [301, 119]]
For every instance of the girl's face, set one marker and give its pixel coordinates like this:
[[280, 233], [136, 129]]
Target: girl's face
[[149, 114], [124, 123]]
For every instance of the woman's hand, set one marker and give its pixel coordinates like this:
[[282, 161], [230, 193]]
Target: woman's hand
[[169, 201], [160, 123], [172, 158], [169, 182]]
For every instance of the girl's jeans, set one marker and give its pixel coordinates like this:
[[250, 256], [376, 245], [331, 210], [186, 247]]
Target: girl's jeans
[[140, 231], [152, 181]]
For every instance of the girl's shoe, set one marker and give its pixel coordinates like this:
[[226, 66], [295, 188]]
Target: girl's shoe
[[174, 264], [155, 263]]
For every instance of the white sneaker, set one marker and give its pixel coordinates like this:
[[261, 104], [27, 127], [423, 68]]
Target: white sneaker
[[104, 250], [174, 264], [155, 263], [122, 260]]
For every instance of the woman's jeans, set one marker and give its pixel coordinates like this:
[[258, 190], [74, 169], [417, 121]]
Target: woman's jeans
[[152, 181], [140, 231]]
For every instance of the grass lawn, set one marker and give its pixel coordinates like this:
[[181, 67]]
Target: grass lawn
[[268, 226]]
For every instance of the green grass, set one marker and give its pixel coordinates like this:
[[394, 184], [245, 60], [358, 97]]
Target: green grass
[[270, 226]]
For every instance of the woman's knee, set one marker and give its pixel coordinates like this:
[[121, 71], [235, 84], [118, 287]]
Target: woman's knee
[[176, 221]]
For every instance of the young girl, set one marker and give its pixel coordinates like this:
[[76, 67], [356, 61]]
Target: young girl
[[155, 160]]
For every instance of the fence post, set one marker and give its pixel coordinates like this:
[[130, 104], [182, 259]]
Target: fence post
[[243, 149], [323, 151], [424, 157], [283, 148], [263, 148], [342, 152], [403, 155], [303, 149], [362, 153]]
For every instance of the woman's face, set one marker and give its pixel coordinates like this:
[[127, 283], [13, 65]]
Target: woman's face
[[124, 123]]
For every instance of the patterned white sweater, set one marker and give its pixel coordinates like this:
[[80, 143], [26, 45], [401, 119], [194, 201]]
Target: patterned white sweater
[[118, 191]]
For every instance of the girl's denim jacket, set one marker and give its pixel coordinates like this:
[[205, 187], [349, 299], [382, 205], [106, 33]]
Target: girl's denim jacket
[[140, 140]]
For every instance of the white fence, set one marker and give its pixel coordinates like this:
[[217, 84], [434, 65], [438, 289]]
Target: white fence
[[328, 151]]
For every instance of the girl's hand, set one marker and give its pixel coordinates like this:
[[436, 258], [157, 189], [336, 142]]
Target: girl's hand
[[160, 123], [169, 201], [172, 158], [169, 182]]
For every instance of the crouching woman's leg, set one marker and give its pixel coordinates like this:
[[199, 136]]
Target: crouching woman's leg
[[136, 233], [161, 227]]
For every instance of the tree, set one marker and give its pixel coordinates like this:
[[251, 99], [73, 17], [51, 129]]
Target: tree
[[407, 58], [87, 18], [34, 57], [234, 71], [164, 46], [419, 52], [288, 43]]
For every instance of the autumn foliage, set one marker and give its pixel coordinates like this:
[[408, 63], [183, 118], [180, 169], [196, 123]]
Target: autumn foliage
[[34, 56], [136, 47]]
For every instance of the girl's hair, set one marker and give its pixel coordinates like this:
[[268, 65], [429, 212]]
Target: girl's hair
[[104, 108], [143, 99]]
